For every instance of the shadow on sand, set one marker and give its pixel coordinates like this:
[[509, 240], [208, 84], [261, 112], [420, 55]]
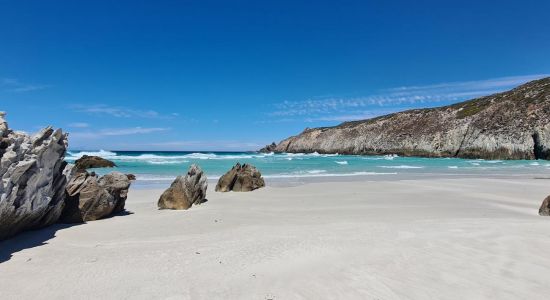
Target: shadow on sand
[[29, 239], [36, 238]]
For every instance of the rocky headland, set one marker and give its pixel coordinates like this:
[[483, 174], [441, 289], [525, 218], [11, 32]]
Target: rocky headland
[[509, 125]]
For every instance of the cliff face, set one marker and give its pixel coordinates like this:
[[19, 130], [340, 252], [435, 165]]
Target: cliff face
[[509, 125]]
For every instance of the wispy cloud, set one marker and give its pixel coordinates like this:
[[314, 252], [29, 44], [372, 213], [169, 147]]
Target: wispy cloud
[[394, 99], [79, 125], [14, 85], [207, 144], [117, 132], [122, 112]]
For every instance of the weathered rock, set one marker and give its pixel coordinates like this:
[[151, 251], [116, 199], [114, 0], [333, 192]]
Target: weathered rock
[[544, 209], [510, 125], [91, 198], [131, 176], [243, 178], [86, 162], [269, 148], [33, 176], [185, 191]]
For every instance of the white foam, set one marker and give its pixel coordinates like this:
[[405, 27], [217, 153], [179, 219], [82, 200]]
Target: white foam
[[316, 171], [342, 162], [168, 162], [401, 167], [100, 153]]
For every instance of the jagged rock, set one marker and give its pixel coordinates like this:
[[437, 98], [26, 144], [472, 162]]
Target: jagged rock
[[544, 209], [243, 178], [510, 125], [131, 176], [86, 162], [33, 176], [91, 198], [269, 148], [185, 191]]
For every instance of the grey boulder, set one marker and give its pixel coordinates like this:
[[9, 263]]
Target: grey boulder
[[33, 175]]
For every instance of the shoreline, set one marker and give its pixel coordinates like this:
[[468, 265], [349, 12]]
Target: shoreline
[[390, 177], [416, 239]]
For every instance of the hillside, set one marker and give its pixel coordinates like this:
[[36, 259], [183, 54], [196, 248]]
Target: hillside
[[509, 125]]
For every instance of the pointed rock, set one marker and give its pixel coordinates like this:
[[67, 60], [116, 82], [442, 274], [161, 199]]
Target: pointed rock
[[185, 190]]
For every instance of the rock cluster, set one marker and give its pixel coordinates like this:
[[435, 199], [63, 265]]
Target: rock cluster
[[241, 178], [86, 162], [33, 177], [91, 198], [510, 125], [185, 190]]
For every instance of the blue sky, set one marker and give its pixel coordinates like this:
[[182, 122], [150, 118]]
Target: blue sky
[[235, 75]]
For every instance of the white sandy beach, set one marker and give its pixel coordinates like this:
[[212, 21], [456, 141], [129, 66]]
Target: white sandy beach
[[412, 239]]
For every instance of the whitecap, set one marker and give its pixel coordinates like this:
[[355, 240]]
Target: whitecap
[[402, 167], [316, 171], [342, 162], [100, 153]]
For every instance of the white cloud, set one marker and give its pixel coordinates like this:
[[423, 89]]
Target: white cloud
[[207, 144], [122, 112], [352, 117], [14, 85], [79, 125], [346, 109], [117, 132]]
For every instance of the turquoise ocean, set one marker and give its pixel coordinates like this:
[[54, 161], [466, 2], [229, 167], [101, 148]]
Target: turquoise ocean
[[158, 169]]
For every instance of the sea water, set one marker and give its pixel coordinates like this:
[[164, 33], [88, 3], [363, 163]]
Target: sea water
[[160, 168]]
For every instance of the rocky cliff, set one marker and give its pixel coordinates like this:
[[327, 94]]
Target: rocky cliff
[[33, 178], [509, 125]]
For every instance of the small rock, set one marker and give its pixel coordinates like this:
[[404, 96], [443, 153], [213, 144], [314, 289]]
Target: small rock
[[544, 209], [86, 162]]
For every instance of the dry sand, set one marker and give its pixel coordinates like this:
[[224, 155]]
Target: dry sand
[[413, 239]]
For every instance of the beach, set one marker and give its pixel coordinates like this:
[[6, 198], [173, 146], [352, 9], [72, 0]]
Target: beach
[[464, 238]]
